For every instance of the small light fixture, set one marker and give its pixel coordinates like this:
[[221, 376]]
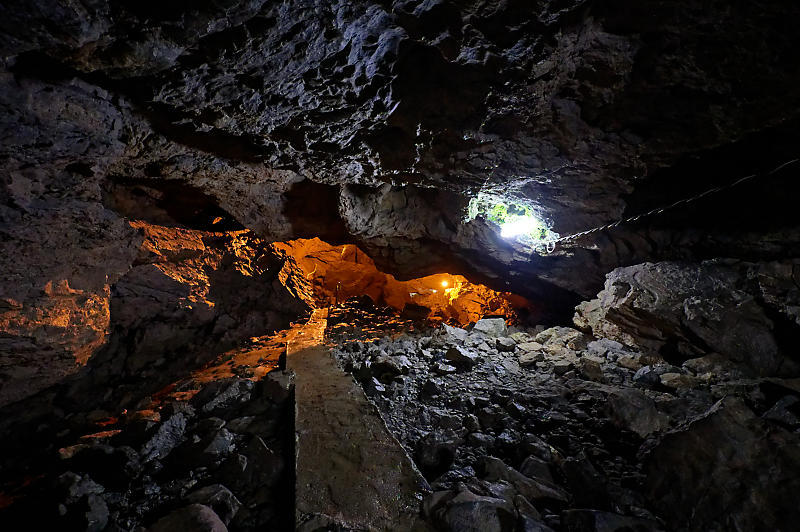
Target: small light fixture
[[445, 283]]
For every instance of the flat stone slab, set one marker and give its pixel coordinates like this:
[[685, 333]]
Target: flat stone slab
[[350, 471]]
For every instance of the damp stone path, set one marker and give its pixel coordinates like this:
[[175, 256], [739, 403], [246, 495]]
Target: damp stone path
[[350, 471]]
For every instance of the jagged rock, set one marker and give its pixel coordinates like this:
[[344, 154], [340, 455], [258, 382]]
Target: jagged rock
[[168, 435], [444, 369], [534, 467], [461, 357], [734, 469], [82, 506], [529, 517], [435, 454], [492, 327], [506, 344], [530, 358], [468, 512], [785, 411], [386, 367], [678, 381], [276, 386], [218, 498], [478, 439], [532, 489], [602, 346], [649, 375], [196, 517], [563, 337], [716, 366], [453, 335], [528, 347], [690, 309], [560, 367], [633, 410], [223, 394], [591, 368]]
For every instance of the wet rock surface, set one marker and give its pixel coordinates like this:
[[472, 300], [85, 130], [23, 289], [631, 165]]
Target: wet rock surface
[[571, 432]]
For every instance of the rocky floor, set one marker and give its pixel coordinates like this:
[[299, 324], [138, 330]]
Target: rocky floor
[[211, 451], [541, 429], [514, 429]]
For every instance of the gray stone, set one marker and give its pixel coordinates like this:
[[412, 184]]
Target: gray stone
[[506, 344], [222, 394], [452, 334], [693, 307], [532, 489], [467, 512], [218, 498], [633, 410], [168, 435], [444, 369], [734, 470], [195, 517], [493, 327], [461, 357], [530, 359]]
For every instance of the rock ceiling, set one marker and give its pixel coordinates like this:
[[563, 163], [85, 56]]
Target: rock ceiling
[[375, 123]]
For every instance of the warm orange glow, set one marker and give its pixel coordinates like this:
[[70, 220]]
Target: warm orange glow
[[341, 272]]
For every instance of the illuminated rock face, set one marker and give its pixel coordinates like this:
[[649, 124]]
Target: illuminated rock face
[[374, 124], [187, 291], [338, 273]]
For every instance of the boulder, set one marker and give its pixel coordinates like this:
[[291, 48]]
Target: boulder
[[195, 517], [506, 344], [689, 310], [493, 327], [632, 410], [386, 367], [590, 368], [218, 498], [678, 381], [464, 511], [168, 435], [563, 337], [735, 472], [222, 394], [532, 489], [461, 357], [452, 335]]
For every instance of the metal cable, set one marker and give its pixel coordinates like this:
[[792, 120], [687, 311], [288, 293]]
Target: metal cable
[[548, 246]]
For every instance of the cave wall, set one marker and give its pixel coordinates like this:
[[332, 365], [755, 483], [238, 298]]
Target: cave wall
[[390, 115]]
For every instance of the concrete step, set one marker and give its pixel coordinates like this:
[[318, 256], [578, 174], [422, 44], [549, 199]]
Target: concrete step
[[350, 471]]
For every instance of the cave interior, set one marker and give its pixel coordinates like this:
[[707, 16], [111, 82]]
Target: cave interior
[[403, 265]]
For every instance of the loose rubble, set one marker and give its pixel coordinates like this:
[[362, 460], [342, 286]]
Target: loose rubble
[[552, 429], [219, 461]]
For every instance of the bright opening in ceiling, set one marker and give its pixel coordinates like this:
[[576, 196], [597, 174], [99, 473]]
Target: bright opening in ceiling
[[516, 220]]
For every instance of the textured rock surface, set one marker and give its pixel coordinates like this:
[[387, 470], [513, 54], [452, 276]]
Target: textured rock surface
[[376, 122], [730, 462], [743, 311], [552, 447]]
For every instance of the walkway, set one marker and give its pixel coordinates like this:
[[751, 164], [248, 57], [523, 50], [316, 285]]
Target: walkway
[[351, 472]]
